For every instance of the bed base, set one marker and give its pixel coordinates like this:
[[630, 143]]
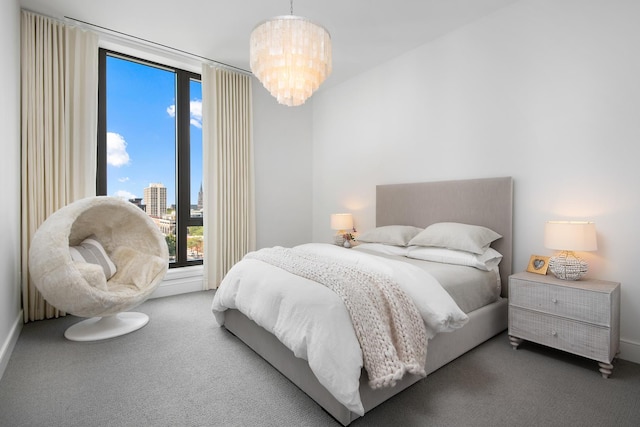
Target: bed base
[[483, 324]]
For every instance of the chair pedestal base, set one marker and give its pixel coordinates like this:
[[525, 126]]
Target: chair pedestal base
[[102, 328]]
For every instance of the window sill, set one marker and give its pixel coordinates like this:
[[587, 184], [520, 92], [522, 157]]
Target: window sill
[[180, 281]]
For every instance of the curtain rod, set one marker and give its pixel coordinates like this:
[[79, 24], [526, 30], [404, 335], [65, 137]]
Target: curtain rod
[[140, 39]]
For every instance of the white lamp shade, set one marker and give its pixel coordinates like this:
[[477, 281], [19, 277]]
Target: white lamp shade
[[342, 221], [570, 236]]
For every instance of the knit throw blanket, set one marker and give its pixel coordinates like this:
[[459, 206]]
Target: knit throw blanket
[[387, 323]]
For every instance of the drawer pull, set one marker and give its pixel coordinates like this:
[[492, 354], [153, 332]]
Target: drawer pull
[[553, 300], [554, 333]]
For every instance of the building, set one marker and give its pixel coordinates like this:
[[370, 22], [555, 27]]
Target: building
[[138, 202], [155, 200], [166, 224]]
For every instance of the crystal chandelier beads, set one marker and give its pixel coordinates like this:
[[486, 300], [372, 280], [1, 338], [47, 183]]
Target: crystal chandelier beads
[[291, 56]]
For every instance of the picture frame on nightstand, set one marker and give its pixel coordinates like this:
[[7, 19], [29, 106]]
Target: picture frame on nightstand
[[538, 264]]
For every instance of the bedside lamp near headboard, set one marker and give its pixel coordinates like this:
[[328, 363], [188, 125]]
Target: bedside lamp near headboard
[[569, 236], [343, 223]]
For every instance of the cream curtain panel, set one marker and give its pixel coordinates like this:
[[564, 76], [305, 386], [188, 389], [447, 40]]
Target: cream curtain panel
[[228, 187], [59, 89]]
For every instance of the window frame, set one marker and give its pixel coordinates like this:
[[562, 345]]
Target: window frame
[[184, 220]]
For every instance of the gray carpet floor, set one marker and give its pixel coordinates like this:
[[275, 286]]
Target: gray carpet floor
[[183, 370]]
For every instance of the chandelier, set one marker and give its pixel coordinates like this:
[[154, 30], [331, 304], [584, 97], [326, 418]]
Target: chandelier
[[291, 56]]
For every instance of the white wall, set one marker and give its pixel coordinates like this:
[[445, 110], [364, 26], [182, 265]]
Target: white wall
[[282, 156], [10, 313], [545, 91]]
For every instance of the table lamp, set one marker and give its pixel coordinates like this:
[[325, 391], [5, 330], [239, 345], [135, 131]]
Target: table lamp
[[569, 236], [341, 222]]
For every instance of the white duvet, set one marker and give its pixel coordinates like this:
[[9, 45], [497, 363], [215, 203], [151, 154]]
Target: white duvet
[[313, 322]]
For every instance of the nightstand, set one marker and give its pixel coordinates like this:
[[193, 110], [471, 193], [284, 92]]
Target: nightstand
[[581, 317]]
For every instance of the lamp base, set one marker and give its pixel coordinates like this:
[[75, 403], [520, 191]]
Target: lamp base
[[567, 266], [339, 237]]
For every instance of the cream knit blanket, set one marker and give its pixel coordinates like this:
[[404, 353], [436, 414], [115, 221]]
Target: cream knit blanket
[[387, 323]]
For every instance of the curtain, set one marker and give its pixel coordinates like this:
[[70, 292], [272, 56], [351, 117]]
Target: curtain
[[228, 187], [59, 90]]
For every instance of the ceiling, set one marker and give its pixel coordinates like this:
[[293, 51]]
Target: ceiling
[[364, 32]]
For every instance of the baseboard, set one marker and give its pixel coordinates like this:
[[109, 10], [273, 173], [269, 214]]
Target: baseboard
[[180, 281], [10, 343], [630, 351]]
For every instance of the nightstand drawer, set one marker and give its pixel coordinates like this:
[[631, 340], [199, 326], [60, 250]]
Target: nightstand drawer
[[564, 334], [575, 303]]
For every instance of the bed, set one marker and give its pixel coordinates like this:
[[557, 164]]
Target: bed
[[484, 202]]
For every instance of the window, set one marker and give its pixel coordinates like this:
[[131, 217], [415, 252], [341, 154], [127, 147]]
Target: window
[[150, 147]]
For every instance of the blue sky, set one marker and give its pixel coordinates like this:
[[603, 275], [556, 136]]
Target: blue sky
[[141, 130]]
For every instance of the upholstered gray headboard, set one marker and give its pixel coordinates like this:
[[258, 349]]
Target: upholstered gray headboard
[[487, 202]]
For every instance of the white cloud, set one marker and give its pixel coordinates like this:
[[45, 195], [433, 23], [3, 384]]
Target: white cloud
[[116, 150], [195, 107], [124, 194], [125, 179], [196, 113]]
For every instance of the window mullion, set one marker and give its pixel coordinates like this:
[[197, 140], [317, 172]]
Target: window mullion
[[183, 208]]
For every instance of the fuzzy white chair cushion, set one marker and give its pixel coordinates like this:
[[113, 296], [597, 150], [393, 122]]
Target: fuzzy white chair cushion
[[138, 268]]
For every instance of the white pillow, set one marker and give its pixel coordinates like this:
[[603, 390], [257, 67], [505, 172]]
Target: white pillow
[[453, 235], [397, 235], [488, 261], [383, 249], [92, 252]]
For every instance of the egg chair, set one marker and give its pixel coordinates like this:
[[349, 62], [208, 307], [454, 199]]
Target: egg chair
[[97, 258]]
